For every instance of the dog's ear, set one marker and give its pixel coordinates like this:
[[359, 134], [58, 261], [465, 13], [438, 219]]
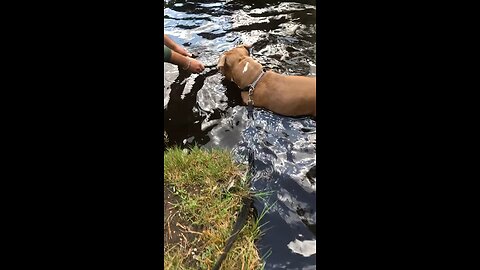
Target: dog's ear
[[221, 63], [248, 46]]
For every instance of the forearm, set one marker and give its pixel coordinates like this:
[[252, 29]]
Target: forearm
[[180, 60], [175, 58]]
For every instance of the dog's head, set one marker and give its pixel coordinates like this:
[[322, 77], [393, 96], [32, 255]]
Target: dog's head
[[237, 65]]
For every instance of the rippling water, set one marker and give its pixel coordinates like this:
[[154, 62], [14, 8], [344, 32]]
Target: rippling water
[[204, 109]]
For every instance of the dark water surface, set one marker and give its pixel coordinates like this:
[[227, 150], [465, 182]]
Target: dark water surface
[[204, 109]]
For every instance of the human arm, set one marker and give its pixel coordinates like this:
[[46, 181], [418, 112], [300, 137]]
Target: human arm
[[186, 63], [174, 46]]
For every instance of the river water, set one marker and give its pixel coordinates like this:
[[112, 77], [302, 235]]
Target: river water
[[205, 110]]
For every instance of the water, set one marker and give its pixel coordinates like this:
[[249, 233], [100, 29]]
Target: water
[[204, 109]]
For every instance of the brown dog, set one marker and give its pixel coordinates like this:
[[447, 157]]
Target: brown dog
[[281, 94]]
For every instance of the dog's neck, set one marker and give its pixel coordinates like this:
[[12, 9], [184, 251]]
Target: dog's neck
[[251, 70]]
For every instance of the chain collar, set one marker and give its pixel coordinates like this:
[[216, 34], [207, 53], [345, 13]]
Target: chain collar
[[252, 87]]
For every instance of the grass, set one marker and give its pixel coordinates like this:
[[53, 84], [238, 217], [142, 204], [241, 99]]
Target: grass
[[206, 189]]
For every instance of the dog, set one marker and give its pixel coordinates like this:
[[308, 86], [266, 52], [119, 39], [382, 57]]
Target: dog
[[281, 94]]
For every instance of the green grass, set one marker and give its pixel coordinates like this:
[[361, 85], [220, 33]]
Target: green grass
[[209, 188]]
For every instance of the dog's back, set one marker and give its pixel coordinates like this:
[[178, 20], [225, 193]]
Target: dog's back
[[288, 95]]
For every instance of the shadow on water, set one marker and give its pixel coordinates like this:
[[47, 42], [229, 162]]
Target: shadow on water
[[206, 110]]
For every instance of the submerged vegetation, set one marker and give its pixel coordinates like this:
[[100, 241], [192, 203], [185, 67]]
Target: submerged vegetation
[[203, 192]]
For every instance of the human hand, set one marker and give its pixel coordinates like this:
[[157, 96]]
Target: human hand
[[194, 66]]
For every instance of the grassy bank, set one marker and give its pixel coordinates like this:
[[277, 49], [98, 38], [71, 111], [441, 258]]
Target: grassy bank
[[203, 193]]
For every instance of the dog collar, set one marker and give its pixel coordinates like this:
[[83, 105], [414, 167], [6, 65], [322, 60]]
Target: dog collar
[[252, 87]]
